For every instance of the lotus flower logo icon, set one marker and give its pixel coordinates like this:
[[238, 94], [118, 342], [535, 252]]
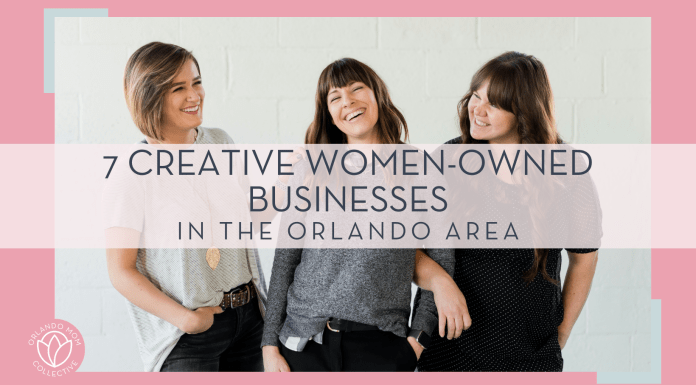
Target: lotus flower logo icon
[[54, 348], [60, 346]]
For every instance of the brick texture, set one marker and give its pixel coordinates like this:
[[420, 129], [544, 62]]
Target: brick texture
[[260, 77]]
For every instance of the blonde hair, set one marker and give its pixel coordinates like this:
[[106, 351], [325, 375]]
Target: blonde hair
[[149, 73]]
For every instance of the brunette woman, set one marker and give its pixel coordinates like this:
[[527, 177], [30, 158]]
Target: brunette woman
[[521, 316], [193, 309], [347, 309]]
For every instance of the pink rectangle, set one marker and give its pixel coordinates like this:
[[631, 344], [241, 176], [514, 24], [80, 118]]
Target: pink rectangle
[[673, 205], [26, 196]]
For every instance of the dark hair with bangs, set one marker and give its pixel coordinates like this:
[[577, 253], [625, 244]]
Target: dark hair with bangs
[[517, 83], [391, 124], [149, 73]]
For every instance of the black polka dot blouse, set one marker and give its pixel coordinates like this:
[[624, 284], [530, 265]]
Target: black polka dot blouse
[[514, 323]]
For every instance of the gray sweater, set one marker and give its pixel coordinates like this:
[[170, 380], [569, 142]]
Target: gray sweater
[[372, 286]]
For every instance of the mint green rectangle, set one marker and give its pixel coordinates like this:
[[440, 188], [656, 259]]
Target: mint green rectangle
[[50, 38], [654, 376]]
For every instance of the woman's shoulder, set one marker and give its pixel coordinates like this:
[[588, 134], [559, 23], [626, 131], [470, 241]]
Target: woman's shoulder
[[457, 140], [207, 135]]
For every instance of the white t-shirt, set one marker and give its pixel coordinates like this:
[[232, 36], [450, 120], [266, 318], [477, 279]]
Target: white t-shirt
[[181, 273]]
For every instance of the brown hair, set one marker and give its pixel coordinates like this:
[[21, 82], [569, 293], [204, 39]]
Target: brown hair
[[518, 83], [149, 73], [391, 124]]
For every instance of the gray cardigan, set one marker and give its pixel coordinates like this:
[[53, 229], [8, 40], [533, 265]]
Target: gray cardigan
[[372, 286]]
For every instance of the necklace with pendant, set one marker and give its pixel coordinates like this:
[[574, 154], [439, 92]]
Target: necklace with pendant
[[212, 255]]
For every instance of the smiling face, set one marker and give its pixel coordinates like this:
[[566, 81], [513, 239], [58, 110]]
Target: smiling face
[[489, 122], [183, 102], [354, 111]]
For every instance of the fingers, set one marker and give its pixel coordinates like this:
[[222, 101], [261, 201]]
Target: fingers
[[456, 325], [442, 322], [466, 317], [213, 309], [451, 327], [417, 348], [459, 326], [467, 320]]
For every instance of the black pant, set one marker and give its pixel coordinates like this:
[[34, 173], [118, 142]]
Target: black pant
[[368, 351], [232, 344]]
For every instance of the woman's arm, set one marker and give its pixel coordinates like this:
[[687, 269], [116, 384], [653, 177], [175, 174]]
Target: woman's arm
[[128, 281], [273, 361], [576, 288], [449, 300], [285, 263]]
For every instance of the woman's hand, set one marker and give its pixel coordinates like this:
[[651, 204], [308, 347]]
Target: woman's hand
[[417, 348], [294, 157], [141, 292], [273, 361], [576, 288], [200, 319], [449, 300], [451, 308], [562, 339]]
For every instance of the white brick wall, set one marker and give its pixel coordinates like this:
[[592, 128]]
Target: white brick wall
[[260, 76], [328, 32], [427, 33], [521, 34]]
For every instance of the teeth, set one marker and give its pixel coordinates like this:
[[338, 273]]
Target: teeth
[[354, 114], [482, 124], [191, 109]]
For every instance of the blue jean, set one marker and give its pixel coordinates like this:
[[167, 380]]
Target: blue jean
[[232, 344]]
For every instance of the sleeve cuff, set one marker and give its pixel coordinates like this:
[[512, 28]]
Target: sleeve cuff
[[421, 337], [270, 340], [424, 321]]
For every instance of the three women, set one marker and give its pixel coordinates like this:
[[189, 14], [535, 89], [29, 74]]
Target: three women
[[347, 309]]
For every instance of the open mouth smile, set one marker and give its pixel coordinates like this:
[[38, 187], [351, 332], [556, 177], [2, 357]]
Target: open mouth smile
[[480, 123], [355, 114], [192, 110]]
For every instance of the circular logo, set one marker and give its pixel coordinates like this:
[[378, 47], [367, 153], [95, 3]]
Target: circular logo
[[59, 348]]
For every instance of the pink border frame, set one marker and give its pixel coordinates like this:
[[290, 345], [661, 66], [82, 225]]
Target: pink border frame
[[28, 281]]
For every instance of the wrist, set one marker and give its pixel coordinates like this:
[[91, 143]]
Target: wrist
[[442, 282], [564, 330], [270, 349], [186, 321]]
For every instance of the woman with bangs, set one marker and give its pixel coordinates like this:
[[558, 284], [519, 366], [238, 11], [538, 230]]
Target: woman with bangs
[[522, 318], [347, 309]]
